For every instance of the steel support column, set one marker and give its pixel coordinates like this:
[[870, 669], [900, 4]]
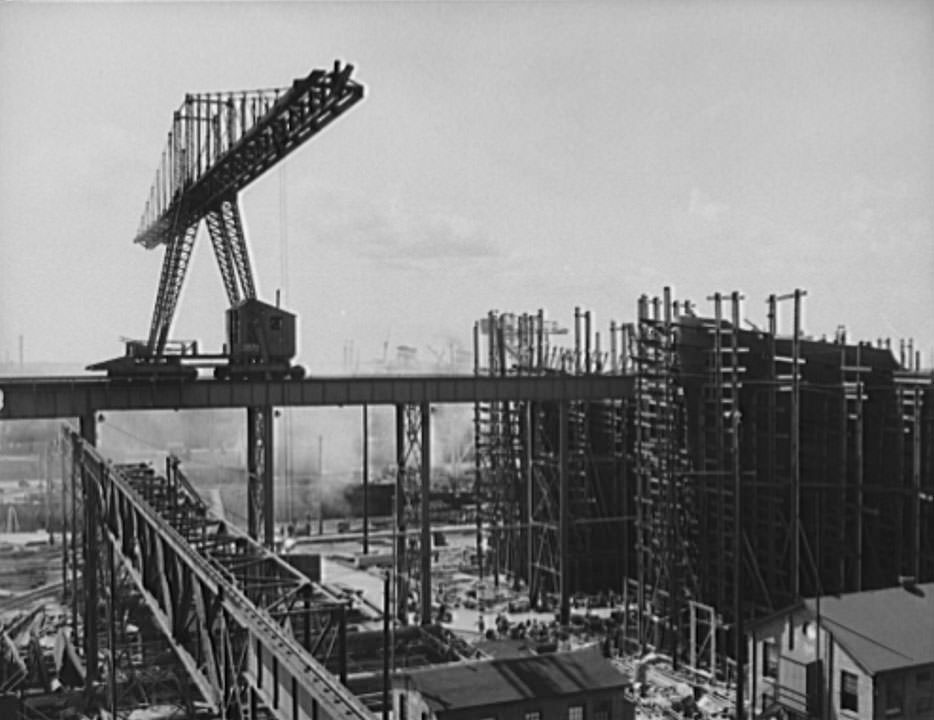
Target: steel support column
[[528, 476], [410, 430], [401, 586], [75, 454], [112, 624], [261, 514], [425, 525], [366, 480], [64, 458], [88, 429]]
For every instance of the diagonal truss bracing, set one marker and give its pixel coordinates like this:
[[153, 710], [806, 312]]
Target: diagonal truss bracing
[[227, 605]]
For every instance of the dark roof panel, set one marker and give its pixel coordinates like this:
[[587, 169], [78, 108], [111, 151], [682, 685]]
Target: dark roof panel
[[884, 629], [489, 682]]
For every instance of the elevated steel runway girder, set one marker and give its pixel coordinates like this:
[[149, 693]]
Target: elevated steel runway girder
[[65, 397]]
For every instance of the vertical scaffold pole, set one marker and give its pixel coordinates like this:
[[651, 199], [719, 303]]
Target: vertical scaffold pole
[[478, 477], [75, 449], [795, 444], [387, 646], [63, 445], [528, 434], [737, 509], [563, 512]]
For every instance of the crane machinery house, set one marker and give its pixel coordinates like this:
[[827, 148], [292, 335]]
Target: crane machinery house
[[259, 332], [217, 145]]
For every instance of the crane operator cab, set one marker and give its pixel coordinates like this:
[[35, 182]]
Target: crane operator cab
[[260, 342]]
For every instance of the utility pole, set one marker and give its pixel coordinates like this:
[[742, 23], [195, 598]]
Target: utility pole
[[320, 484]]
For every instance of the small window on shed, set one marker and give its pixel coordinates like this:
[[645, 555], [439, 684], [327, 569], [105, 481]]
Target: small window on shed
[[602, 711], [894, 696], [275, 322], [849, 691], [764, 701], [533, 715], [925, 688], [770, 659], [576, 712]]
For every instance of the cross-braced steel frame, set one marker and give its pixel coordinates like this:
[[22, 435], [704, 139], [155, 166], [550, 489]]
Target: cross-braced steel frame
[[412, 498]]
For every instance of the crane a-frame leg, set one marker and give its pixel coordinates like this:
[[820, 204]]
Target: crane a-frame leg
[[174, 268], [226, 229], [230, 211], [224, 255]]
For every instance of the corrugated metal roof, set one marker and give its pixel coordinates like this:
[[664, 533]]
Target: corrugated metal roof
[[494, 682], [882, 630]]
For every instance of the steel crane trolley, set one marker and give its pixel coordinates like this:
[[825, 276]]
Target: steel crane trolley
[[218, 144]]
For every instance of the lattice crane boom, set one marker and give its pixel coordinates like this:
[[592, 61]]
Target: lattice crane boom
[[218, 144]]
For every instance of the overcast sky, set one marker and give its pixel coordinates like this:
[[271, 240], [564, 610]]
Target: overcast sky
[[508, 156]]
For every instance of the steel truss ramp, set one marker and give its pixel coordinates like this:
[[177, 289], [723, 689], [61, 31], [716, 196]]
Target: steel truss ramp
[[227, 605]]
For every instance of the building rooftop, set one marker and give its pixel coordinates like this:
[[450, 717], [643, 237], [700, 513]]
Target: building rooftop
[[494, 682], [884, 629]]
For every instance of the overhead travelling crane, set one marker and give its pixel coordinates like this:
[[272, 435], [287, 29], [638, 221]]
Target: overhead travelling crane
[[218, 144]]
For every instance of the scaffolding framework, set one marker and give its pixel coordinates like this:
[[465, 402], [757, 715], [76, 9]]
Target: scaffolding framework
[[769, 468], [554, 527]]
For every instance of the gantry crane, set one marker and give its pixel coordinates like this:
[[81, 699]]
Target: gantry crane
[[218, 144]]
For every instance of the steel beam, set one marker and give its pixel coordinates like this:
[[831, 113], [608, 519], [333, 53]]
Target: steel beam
[[66, 397]]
